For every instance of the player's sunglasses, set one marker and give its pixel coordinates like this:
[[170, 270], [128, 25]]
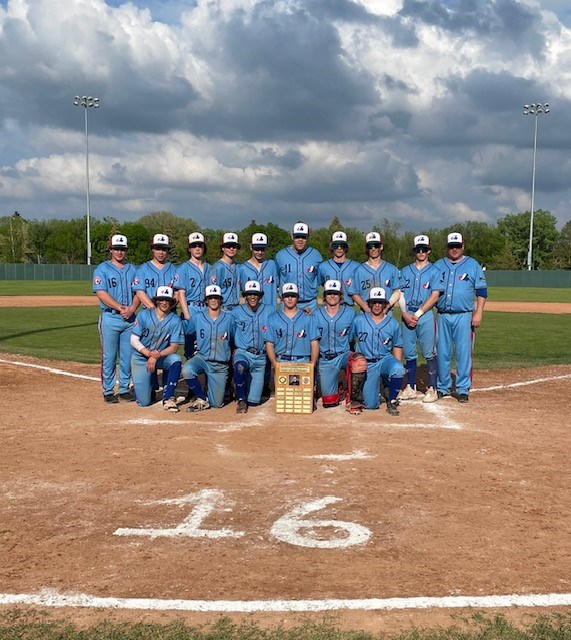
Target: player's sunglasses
[[258, 248], [194, 245], [374, 245], [339, 245], [420, 249], [289, 295], [230, 246], [455, 246], [118, 249]]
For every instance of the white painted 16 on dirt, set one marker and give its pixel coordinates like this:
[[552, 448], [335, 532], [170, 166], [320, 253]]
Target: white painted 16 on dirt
[[294, 527]]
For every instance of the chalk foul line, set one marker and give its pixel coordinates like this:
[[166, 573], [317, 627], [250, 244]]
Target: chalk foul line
[[59, 372], [525, 383], [52, 598]]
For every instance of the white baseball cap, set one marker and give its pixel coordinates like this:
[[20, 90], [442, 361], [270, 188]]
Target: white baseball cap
[[160, 240], [259, 241], [300, 230], [454, 238], [339, 236], [421, 241], [229, 239], [289, 288], [373, 237], [377, 294], [118, 242], [252, 286], [164, 293], [212, 291], [195, 237], [332, 286]]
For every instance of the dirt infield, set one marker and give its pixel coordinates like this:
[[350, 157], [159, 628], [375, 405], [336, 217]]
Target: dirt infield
[[445, 499]]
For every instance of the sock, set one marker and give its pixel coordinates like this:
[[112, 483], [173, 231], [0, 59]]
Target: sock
[[173, 374], [194, 386], [394, 387], [240, 378], [411, 372]]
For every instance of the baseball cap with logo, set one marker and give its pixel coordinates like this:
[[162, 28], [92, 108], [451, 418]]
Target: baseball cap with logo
[[332, 286], [377, 294], [290, 288], [229, 240], [372, 238], [160, 241], [164, 293], [213, 291], [339, 237], [421, 241], [259, 241], [454, 238], [195, 238], [300, 230], [118, 242], [252, 287]]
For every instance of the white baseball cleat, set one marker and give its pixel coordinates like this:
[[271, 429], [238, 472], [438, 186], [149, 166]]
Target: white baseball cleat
[[430, 395], [198, 404], [170, 405], [408, 393]]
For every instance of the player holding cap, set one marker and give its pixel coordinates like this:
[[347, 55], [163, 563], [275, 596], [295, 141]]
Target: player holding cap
[[260, 269], [456, 280], [378, 337], [339, 266], [157, 334], [374, 273], [158, 272], [251, 322], [334, 321], [416, 278], [224, 272], [112, 284], [214, 329], [299, 264]]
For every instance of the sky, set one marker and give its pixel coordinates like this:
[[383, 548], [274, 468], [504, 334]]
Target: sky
[[227, 111]]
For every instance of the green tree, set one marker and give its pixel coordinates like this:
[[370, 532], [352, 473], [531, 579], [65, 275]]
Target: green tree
[[14, 246], [562, 251], [178, 229]]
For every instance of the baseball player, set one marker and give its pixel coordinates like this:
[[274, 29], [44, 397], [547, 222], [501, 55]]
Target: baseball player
[[416, 289], [156, 336], [260, 269], [299, 264], [456, 280], [334, 321], [190, 280], [378, 337], [112, 284], [158, 272], [374, 273], [214, 329], [251, 326], [293, 335], [224, 272], [339, 266]]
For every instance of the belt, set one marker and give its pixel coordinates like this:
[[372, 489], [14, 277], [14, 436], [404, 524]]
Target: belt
[[292, 358], [256, 352], [113, 311], [373, 359], [219, 361], [328, 356]]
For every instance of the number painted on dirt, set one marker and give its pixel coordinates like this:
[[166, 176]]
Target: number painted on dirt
[[205, 501], [295, 528]]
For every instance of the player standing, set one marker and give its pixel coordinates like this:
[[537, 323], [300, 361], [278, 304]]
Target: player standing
[[457, 279], [416, 289], [224, 272], [157, 334], [334, 321], [374, 273], [299, 264], [339, 266], [251, 321], [260, 269], [155, 273], [378, 337], [112, 284], [214, 329]]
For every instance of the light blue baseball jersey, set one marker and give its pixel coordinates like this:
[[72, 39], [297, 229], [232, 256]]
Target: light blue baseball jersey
[[301, 268], [158, 334], [213, 337], [117, 281], [366, 277], [457, 284], [227, 278], [375, 341], [334, 330], [251, 328], [292, 337], [267, 276], [416, 285], [342, 271], [149, 277], [193, 280]]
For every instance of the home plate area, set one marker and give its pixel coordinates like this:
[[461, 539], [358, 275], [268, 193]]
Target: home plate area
[[443, 501]]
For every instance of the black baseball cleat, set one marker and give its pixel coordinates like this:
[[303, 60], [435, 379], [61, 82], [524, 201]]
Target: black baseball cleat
[[463, 398], [392, 408], [110, 398], [126, 397], [443, 394], [242, 406]]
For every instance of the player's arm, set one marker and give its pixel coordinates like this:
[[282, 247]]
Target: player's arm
[[426, 306], [144, 299], [108, 300], [407, 318], [397, 353], [481, 295], [357, 299], [181, 296], [271, 352], [314, 352]]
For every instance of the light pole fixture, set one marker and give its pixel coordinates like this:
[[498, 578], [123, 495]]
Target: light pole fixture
[[86, 102], [533, 109]]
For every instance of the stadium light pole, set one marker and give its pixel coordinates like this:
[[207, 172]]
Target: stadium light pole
[[87, 102], [534, 109]]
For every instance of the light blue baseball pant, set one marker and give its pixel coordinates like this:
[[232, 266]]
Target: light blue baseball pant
[[329, 373], [143, 379], [454, 329], [424, 333], [115, 336], [386, 368], [249, 371], [216, 376]]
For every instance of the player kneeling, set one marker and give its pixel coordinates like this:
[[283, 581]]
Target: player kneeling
[[356, 374], [157, 334]]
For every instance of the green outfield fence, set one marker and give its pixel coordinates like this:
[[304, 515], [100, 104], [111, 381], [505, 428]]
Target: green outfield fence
[[556, 279]]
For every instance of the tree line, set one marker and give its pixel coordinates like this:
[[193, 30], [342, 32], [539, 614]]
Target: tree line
[[503, 245]]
